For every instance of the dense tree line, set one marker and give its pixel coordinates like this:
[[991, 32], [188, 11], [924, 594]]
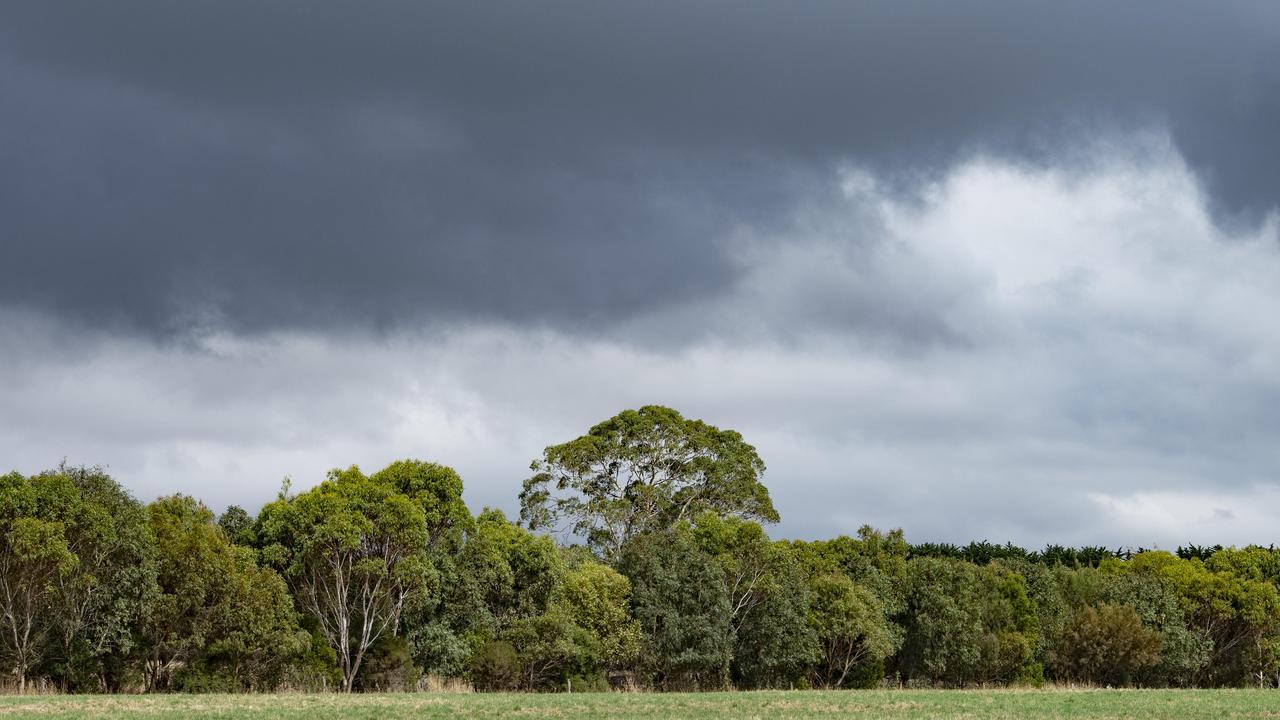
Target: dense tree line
[[665, 579]]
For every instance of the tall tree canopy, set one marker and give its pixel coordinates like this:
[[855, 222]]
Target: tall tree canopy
[[438, 489], [113, 584], [219, 621], [643, 471], [34, 560], [354, 550]]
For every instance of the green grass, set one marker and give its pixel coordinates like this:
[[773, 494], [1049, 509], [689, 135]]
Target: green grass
[[893, 704]]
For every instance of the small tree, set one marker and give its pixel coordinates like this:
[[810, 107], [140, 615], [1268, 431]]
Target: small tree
[[101, 603], [354, 550], [853, 632], [769, 601], [219, 621], [596, 598], [1107, 644], [678, 597], [644, 471], [34, 559]]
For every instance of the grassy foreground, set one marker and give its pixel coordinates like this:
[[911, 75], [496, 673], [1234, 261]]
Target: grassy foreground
[[893, 704]]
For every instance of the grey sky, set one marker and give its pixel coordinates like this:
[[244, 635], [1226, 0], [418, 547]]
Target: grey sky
[[998, 270]]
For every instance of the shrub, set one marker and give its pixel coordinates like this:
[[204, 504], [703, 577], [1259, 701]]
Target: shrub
[[1106, 644], [495, 667]]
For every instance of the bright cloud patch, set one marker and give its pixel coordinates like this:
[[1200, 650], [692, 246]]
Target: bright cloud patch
[[1076, 356]]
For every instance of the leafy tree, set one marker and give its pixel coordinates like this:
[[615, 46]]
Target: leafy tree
[[874, 559], [97, 574], [102, 602], [550, 648], [190, 583], [259, 637], [438, 628], [238, 525], [389, 667], [1010, 624], [438, 649], [35, 559], [1106, 644], [355, 553], [495, 667], [218, 621], [775, 645], [596, 598], [1240, 616], [1183, 653], [317, 669], [503, 573], [852, 629], [768, 598], [1248, 563], [678, 597], [438, 489], [968, 624], [1088, 556], [1047, 587], [643, 471]]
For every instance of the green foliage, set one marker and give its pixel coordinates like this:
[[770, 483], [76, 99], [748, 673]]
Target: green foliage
[[1107, 645], [503, 573], [875, 560], [597, 599], [368, 581], [219, 620], [438, 489], [101, 602], [1184, 652], [769, 600], [388, 667], [967, 624], [643, 471], [355, 551], [854, 635], [1238, 615], [678, 597], [238, 526], [495, 667], [35, 561], [775, 643], [76, 576], [439, 650], [550, 648]]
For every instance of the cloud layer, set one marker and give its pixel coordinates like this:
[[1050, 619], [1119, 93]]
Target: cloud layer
[[571, 165], [1014, 351]]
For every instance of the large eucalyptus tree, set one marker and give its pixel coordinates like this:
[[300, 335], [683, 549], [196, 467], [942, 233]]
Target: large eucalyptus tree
[[643, 471]]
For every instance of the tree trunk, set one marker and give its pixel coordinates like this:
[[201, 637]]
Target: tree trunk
[[348, 676]]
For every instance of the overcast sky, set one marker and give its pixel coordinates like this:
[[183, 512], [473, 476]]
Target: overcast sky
[[1001, 270]]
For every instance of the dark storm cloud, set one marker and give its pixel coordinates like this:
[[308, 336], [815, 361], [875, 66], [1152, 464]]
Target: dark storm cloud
[[271, 164]]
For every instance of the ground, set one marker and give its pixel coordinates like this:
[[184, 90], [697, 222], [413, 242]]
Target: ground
[[892, 705]]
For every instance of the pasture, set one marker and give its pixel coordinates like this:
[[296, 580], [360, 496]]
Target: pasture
[[887, 704]]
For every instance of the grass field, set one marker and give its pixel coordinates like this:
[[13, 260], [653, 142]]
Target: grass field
[[893, 704]]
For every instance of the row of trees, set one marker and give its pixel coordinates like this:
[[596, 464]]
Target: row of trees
[[373, 581]]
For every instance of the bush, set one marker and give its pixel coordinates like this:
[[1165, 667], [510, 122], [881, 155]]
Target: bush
[[440, 651], [495, 667], [1106, 645], [595, 682], [388, 667]]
